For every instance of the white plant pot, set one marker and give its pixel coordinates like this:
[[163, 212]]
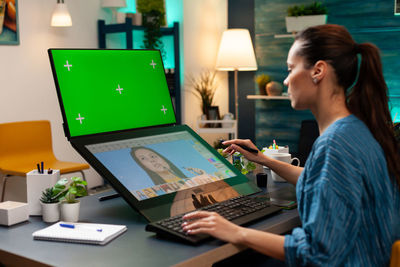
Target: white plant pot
[[70, 211], [50, 212], [296, 24]]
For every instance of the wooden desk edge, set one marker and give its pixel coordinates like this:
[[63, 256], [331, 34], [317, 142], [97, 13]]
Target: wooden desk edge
[[228, 250]]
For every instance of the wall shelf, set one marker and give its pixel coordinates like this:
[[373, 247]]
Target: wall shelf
[[128, 28], [266, 97], [231, 127]]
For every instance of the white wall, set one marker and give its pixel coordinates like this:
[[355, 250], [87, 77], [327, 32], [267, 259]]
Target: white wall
[[26, 84], [204, 22], [27, 89]]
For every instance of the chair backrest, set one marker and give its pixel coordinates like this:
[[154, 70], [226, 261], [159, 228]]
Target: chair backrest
[[395, 256], [26, 137]]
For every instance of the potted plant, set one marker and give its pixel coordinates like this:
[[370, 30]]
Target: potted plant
[[204, 88], [301, 17], [262, 81], [50, 205], [67, 194], [153, 17]]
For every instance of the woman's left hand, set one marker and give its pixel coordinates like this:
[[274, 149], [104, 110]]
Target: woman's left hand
[[204, 222]]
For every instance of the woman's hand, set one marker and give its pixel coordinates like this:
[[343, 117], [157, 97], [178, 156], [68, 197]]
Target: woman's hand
[[204, 222], [234, 147]]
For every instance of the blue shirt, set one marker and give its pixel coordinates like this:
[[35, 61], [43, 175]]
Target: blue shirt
[[348, 205]]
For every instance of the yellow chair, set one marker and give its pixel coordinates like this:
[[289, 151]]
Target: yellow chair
[[24, 144], [395, 257]]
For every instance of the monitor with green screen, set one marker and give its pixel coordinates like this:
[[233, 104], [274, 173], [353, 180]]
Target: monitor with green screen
[[111, 90]]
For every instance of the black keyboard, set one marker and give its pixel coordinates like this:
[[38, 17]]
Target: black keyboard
[[239, 210]]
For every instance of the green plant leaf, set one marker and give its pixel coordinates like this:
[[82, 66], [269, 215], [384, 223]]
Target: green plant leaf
[[60, 183], [80, 191], [72, 190]]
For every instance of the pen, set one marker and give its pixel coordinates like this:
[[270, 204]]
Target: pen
[[73, 226], [38, 167], [41, 164], [252, 150]]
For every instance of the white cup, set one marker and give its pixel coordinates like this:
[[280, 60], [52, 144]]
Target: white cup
[[285, 157], [281, 149]]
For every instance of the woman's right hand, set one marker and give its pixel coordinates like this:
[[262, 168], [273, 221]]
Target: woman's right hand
[[233, 146]]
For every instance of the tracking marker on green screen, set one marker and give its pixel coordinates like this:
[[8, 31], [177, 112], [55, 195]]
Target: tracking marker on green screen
[[111, 90]]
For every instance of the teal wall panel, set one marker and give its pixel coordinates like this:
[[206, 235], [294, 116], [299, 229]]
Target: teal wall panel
[[367, 20]]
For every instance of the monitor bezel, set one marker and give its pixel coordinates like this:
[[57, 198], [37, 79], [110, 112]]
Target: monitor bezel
[[60, 101]]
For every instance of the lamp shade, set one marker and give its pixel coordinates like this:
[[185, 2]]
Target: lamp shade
[[61, 16], [113, 3], [236, 51]]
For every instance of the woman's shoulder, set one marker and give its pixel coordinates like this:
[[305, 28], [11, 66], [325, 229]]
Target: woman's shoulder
[[348, 132], [348, 139]]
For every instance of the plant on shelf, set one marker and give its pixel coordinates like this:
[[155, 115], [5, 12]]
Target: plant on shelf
[[153, 17], [316, 8], [262, 81], [301, 17], [204, 88]]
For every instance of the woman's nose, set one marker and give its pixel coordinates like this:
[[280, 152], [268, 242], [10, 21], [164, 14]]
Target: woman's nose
[[285, 82]]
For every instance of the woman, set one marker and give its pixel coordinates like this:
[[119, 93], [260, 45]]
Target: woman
[[159, 168], [348, 192]]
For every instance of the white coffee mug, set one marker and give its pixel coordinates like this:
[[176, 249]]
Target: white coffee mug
[[285, 157], [281, 149]]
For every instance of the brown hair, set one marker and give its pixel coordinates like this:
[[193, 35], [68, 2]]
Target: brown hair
[[367, 98]]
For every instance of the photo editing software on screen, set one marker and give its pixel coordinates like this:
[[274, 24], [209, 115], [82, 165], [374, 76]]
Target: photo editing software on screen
[[111, 90], [160, 164]]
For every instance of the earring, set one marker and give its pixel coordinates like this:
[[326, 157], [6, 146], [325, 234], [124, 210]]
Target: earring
[[315, 80]]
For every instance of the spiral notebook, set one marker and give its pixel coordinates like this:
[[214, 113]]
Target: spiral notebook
[[87, 233]]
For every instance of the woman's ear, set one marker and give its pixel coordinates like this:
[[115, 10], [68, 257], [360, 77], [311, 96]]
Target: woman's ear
[[318, 71]]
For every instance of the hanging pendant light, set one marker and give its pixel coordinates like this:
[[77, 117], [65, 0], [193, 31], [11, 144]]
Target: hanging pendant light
[[61, 16]]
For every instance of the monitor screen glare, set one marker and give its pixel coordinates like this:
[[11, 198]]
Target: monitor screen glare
[[111, 90]]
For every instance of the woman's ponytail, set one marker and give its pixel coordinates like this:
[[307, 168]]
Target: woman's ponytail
[[368, 100]]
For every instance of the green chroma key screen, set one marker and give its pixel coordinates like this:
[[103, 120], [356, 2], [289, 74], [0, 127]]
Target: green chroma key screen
[[110, 90]]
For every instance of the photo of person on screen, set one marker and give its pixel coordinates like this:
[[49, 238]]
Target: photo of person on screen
[[159, 168]]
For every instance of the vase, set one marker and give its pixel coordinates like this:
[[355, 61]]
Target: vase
[[70, 211], [50, 212], [274, 88]]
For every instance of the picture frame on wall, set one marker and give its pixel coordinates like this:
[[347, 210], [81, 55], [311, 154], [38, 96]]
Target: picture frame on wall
[[9, 30], [397, 7]]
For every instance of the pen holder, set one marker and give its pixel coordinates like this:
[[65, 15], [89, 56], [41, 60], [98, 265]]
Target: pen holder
[[36, 183]]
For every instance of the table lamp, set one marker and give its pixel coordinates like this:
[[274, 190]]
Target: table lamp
[[61, 16], [236, 53], [113, 5]]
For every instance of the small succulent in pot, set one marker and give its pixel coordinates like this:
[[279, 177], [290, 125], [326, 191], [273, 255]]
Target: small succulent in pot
[[49, 196]]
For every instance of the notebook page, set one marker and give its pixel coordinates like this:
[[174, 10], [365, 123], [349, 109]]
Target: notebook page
[[81, 233]]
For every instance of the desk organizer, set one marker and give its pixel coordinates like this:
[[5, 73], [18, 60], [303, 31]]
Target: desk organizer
[[36, 183], [12, 212]]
